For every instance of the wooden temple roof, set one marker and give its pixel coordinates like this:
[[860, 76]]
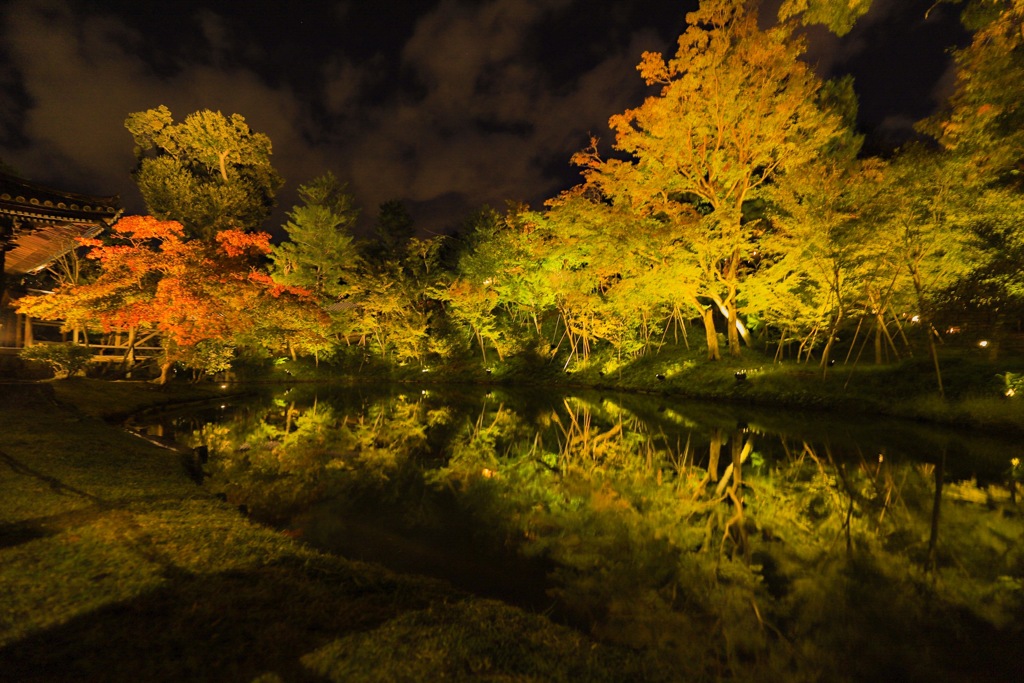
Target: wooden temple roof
[[42, 223]]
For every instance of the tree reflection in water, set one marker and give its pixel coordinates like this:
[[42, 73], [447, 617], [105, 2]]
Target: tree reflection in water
[[726, 547]]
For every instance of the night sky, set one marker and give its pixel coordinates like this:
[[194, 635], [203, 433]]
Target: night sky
[[445, 104]]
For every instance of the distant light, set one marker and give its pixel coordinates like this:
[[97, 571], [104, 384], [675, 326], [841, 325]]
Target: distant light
[[983, 343], [488, 473], [915, 319], [223, 386]]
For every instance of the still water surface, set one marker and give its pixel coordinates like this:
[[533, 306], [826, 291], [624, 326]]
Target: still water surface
[[650, 522]]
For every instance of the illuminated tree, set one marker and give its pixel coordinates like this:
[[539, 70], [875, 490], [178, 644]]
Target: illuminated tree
[[923, 211], [994, 289], [391, 233], [497, 291], [203, 297], [616, 276], [736, 110], [811, 261], [472, 304], [387, 314], [985, 115], [810, 275], [470, 299], [982, 132], [210, 172], [576, 267], [320, 253]]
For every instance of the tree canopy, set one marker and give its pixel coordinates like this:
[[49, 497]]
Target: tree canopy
[[210, 172]]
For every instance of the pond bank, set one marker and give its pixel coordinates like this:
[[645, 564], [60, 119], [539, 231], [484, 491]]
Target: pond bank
[[976, 389]]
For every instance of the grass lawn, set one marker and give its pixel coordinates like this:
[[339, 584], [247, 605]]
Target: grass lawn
[[115, 566]]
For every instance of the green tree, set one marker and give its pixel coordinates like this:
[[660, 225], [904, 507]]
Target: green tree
[[496, 291], [320, 253], [388, 313], [391, 233], [615, 275], [209, 173], [922, 208], [838, 15]]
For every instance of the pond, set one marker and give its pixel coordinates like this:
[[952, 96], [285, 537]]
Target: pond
[[728, 541]]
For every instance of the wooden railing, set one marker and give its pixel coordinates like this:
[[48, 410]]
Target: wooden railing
[[113, 347]]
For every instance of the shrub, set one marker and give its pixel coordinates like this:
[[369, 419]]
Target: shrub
[[65, 359], [208, 357]]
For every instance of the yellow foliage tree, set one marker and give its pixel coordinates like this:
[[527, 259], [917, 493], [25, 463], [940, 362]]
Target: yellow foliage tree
[[736, 110]]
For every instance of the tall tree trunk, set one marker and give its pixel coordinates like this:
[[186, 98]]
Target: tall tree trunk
[[926, 322], [708, 317], [129, 354], [165, 371], [480, 341], [734, 330], [828, 345], [879, 329], [731, 274]]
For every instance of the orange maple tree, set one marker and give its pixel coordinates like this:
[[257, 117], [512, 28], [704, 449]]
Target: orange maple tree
[[193, 292]]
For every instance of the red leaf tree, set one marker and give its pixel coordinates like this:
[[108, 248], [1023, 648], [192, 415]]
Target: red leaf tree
[[200, 296]]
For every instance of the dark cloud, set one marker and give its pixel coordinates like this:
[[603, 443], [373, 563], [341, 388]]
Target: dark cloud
[[455, 110], [485, 123]]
